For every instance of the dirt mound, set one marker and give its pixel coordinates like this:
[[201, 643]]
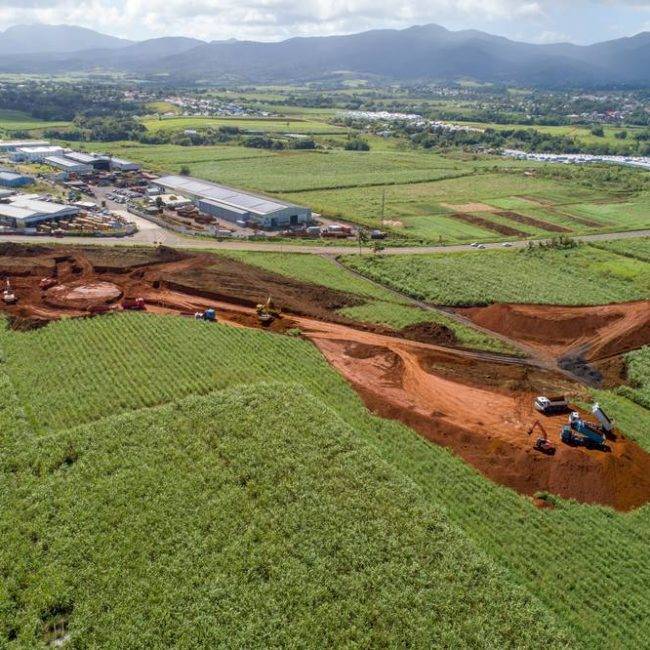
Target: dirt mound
[[430, 333], [589, 333], [122, 260], [83, 295]]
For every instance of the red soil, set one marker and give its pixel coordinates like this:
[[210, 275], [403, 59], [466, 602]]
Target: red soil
[[593, 333], [502, 229], [478, 405]]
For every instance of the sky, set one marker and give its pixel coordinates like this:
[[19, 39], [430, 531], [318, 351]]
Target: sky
[[541, 21]]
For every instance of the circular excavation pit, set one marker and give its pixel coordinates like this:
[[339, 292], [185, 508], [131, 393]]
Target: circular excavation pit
[[83, 295]]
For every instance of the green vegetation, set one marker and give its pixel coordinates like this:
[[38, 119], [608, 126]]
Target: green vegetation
[[638, 372], [383, 307], [240, 508], [638, 248], [580, 276], [12, 122]]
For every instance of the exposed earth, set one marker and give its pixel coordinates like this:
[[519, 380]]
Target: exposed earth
[[478, 405]]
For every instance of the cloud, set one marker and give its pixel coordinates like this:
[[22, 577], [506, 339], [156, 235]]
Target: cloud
[[277, 19]]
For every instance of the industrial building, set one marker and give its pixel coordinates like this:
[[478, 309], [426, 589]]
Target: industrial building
[[234, 205], [12, 145], [27, 211], [99, 162], [121, 165], [35, 154], [67, 165], [11, 179]]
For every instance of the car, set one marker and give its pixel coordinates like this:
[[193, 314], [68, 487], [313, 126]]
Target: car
[[506, 244], [481, 246], [474, 245]]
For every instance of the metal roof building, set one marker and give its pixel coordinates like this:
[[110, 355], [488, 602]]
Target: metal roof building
[[11, 179], [35, 154], [234, 205], [12, 145], [96, 161], [25, 211], [67, 165], [120, 164]]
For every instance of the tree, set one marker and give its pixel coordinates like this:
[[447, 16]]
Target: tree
[[598, 131], [185, 170], [357, 144], [621, 135], [362, 238]]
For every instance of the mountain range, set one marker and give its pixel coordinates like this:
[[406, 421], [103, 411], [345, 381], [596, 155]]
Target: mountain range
[[426, 52]]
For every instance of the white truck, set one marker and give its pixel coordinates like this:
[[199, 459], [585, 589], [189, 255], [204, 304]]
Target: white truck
[[606, 423], [551, 405]]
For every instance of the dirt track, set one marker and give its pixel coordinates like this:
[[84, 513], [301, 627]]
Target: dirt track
[[478, 405]]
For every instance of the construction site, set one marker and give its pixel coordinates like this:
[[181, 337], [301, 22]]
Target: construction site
[[526, 422]]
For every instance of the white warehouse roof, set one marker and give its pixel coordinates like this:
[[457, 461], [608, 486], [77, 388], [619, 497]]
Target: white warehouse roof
[[220, 194]]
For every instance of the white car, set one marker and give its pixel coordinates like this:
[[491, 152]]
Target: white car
[[474, 245], [506, 244], [481, 246]]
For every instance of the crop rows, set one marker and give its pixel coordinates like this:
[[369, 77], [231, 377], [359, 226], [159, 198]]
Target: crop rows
[[588, 565]]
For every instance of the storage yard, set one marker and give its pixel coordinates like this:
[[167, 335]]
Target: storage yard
[[479, 405]]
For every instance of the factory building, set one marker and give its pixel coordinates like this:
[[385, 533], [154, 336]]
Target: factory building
[[27, 211], [96, 161], [11, 145], [67, 165], [121, 165], [234, 205], [35, 154], [11, 179]]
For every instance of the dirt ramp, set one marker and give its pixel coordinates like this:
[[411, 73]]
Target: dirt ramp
[[486, 422]]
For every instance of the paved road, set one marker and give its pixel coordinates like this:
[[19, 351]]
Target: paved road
[[151, 233]]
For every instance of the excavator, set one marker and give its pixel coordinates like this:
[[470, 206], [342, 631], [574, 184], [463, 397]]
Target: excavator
[[8, 295], [267, 312], [542, 443]]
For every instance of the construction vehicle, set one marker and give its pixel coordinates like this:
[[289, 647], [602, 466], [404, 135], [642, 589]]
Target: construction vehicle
[[47, 283], [267, 312], [8, 295], [606, 423], [134, 304], [209, 315], [542, 443], [551, 405], [581, 433]]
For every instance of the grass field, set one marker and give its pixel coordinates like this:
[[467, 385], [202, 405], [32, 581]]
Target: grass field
[[383, 306], [256, 125], [199, 505], [581, 276], [11, 121], [638, 374]]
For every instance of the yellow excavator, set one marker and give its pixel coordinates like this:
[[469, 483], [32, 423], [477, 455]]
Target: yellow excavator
[[267, 312], [8, 295]]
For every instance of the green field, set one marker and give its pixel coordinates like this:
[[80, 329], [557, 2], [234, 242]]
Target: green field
[[581, 276], [638, 248], [215, 519], [638, 376], [11, 121], [383, 306], [256, 125]]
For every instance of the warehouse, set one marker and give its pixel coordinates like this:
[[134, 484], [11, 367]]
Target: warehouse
[[11, 179], [121, 165], [12, 145], [67, 165], [234, 205], [96, 161], [27, 211], [35, 154]]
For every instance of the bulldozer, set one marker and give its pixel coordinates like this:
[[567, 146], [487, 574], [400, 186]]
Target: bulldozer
[[8, 295], [542, 443], [267, 312]]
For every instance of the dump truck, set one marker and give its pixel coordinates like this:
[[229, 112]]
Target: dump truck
[[8, 295], [542, 443], [47, 283], [551, 405], [134, 304], [579, 432], [606, 423]]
